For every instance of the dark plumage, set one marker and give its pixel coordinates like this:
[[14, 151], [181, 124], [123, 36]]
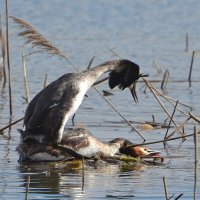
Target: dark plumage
[[50, 109]]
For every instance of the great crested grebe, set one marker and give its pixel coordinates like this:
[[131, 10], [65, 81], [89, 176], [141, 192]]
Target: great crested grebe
[[76, 143], [50, 109]]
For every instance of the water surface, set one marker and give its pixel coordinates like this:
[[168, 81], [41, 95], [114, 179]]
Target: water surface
[[149, 33]]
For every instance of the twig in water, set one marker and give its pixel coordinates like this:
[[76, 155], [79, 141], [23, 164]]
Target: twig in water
[[171, 120], [195, 161], [165, 187], [27, 187], [165, 80], [190, 72], [25, 79], [151, 88], [11, 124], [8, 58]]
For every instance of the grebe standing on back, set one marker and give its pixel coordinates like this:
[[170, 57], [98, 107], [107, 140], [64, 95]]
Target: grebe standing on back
[[50, 109]]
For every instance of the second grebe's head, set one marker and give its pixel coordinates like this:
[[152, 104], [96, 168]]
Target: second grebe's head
[[139, 151]]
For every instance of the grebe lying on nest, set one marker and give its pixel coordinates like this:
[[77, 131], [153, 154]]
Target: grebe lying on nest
[[76, 143]]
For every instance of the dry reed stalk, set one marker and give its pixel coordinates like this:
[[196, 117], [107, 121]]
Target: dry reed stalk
[[165, 187], [158, 68], [169, 99], [165, 80], [155, 95], [161, 141], [190, 72], [194, 117], [195, 161], [83, 173], [90, 63], [8, 58], [186, 42], [11, 124], [27, 187], [122, 116], [171, 120], [45, 81], [3, 51], [179, 127], [25, 79]]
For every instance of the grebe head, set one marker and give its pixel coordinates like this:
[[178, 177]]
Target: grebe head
[[126, 75]]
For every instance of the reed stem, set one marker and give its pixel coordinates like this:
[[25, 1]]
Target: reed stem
[[27, 187], [25, 79], [171, 120], [83, 173], [3, 51], [195, 161], [11, 124], [186, 42], [190, 72], [8, 58], [153, 92], [165, 187], [45, 81]]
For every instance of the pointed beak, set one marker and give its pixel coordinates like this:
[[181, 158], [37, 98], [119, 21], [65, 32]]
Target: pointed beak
[[133, 92], [153, 152]]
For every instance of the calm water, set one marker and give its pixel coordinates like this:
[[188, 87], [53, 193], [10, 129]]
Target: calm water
[[146, 32]]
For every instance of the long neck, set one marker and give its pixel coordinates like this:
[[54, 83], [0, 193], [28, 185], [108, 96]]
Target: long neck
[[99, 70]]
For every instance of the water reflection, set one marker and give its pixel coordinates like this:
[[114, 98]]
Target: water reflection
[[58, 181]]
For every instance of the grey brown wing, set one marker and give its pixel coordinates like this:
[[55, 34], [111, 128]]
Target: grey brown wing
[[76, 138]]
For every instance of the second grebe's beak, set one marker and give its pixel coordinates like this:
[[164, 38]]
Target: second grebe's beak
[[152, 152]]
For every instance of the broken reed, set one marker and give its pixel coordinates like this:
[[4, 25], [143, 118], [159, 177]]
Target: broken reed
[[191, 65]]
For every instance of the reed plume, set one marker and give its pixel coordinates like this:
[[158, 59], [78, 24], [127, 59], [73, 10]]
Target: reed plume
[[36, 39]]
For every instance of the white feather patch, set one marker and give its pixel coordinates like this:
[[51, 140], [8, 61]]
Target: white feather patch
[[83, 87]]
